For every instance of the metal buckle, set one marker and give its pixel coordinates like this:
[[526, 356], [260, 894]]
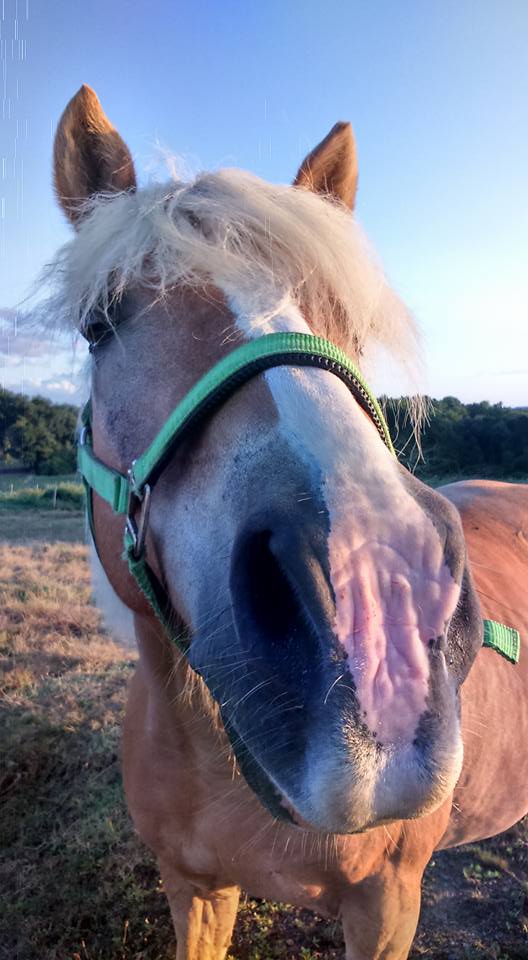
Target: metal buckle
[[138, 529]]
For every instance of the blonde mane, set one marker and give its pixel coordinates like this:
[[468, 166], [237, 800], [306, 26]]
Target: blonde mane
[[241, 234], [237, 232]]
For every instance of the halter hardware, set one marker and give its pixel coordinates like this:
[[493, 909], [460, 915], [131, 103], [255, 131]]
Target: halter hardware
[[137, 531], [130, 494]]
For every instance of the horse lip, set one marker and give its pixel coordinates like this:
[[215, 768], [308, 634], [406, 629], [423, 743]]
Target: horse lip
[[273, 798], [257, 778]]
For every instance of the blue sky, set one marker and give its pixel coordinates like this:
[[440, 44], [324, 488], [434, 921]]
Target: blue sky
[[437, 91]]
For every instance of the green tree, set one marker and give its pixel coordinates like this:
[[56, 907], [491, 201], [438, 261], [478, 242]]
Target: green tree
[[37, 433]]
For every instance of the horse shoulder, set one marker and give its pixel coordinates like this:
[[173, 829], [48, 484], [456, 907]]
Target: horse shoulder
[[492, 793]]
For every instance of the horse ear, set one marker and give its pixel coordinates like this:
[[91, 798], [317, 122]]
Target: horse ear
[[332, 167], [89, 156]]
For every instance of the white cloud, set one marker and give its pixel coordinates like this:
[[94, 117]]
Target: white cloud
[[33, 362], [19, 336], [60, 386]]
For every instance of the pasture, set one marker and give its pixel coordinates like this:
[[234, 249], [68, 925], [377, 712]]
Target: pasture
[[78, 884], [48, 509]]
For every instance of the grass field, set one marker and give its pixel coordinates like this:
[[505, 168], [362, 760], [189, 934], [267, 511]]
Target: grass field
[[50, 526], [77, 884], [48, 509], [29, 492], [21, 481]]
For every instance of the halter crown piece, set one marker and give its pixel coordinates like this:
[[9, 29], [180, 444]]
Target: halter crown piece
[[130, 494]]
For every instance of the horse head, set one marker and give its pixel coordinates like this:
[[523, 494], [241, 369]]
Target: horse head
[[323, 589]]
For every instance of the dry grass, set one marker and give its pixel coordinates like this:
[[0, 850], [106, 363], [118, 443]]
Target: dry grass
[[77, 884], [69, 844]]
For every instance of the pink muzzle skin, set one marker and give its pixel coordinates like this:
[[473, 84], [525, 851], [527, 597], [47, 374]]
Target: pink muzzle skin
[[387, 613]]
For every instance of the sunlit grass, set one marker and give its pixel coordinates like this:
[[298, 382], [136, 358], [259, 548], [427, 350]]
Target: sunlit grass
[[58, 496], [18, 481]]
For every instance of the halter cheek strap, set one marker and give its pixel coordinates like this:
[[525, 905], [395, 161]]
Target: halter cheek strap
[[129, 494]]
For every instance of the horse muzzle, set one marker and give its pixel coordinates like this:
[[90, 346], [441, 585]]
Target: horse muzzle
[[288, 691]]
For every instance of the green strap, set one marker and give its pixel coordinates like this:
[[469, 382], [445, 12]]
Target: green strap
[[108, 483], [246, 360], [111, 485], [505, 640], [150, 586], [216, 385]]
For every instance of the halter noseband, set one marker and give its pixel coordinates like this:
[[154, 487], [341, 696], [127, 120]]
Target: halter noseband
[[129, 494]]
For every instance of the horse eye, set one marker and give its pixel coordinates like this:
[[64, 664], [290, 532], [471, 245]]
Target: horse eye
[[101, 323]]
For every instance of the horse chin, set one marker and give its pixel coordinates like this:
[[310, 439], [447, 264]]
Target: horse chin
[[356, 807], [336, 798]]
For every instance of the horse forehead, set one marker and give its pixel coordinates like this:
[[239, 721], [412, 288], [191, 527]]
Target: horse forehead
[[160, 351], [314, 406]]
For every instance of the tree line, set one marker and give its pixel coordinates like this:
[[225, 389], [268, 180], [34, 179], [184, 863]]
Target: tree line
[[483, 439], [36, 434], [460, 439]]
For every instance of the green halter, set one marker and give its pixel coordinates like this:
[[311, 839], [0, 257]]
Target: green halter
[[130, 494]]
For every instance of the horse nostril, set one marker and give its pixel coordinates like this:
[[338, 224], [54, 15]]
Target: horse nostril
[[269, 613], [261, 594]]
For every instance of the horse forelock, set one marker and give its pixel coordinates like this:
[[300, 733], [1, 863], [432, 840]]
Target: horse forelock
[[231, 228]]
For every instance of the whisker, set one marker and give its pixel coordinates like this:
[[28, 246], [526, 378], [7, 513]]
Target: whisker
[[331, 687]]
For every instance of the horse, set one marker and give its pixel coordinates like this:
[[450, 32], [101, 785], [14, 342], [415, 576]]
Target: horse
[[313, 712]]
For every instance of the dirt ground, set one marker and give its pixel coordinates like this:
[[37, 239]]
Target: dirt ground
[[77, 884]]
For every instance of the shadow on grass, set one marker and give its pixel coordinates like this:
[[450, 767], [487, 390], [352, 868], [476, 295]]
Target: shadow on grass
[[49, 526], [79, 883]]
